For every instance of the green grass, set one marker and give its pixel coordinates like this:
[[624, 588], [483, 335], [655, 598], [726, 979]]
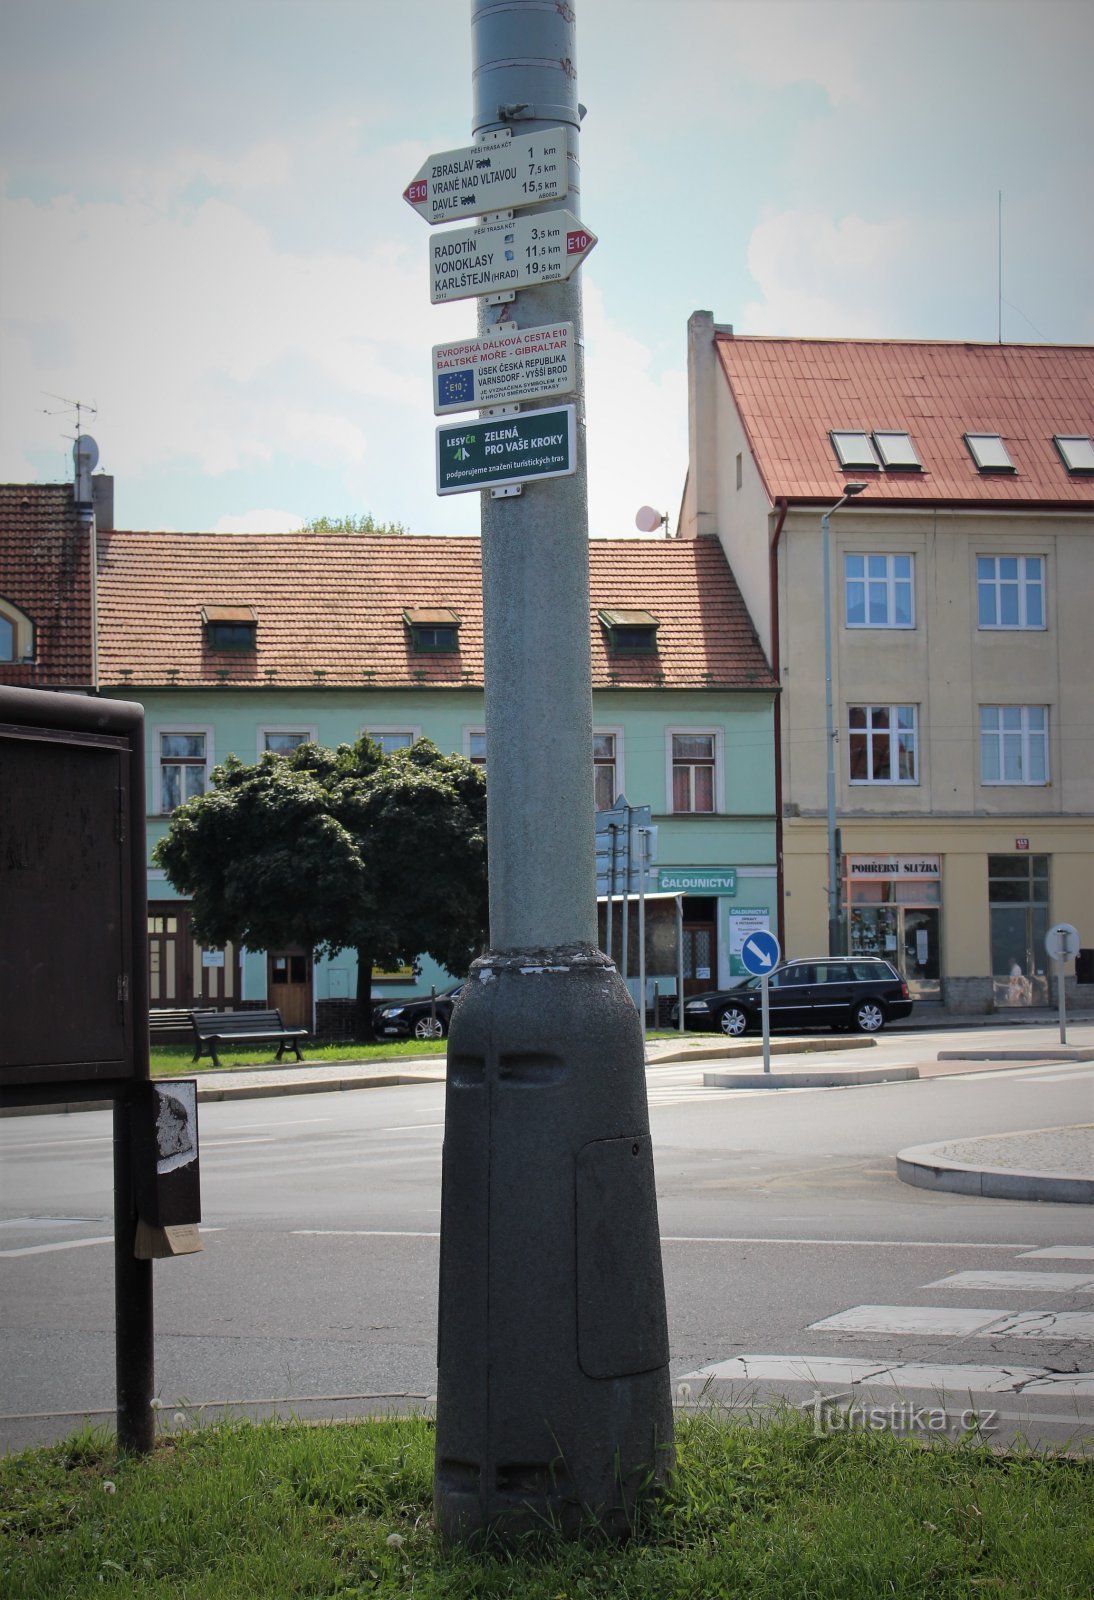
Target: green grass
[[759, 1511], [173, 1060]]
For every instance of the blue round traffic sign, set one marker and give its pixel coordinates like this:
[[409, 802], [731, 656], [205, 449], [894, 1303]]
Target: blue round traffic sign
[[760, 953]]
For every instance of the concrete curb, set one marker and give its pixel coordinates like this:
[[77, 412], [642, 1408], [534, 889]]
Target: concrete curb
[[210, 1092], [737, 1051], [1064, 1052], [930, 1166], [265, 1091], [777, 1078]]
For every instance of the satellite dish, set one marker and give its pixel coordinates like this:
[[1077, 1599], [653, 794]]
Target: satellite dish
[[85, 452], [647, 520]]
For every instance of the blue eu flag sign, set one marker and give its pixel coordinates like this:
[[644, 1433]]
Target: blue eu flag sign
[[455, 388]]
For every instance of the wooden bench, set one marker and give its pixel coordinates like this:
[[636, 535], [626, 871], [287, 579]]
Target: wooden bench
[[169, 1027], [241, 1029]]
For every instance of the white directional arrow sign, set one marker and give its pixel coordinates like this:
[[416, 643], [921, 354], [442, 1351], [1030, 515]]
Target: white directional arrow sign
[[544, 248], [500, 175]]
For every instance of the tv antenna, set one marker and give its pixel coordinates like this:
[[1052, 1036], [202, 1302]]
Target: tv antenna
[[69, 405]]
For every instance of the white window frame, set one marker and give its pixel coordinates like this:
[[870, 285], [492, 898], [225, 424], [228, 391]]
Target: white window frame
[[894, 731], [697, 732], [392, 727], [310, 733], [22, 633], [1027, 734], [890, 581], [468, 734], [157, 759], [989, 452], [1023, 625], [615, 733]]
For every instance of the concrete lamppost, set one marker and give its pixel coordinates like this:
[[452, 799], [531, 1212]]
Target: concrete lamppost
[[834, 940], [554, 1404]]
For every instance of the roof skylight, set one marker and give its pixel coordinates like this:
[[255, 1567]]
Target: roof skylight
[[853, 449], [1076, 451], [897, 451], [989, 452]]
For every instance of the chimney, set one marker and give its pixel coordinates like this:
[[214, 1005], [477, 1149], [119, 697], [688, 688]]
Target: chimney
[[102, 498], [700, 509]]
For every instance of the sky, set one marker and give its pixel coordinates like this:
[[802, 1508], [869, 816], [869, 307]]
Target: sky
[[202, 230]]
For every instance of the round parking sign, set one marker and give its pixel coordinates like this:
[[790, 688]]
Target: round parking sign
[[760, 953]]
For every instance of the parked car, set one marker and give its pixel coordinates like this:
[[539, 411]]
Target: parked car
[[860, 992], [417, 1017]]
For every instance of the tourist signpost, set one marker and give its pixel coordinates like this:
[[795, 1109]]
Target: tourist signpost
[[507, 364], [515, 448], [520, 253], [500, 174]]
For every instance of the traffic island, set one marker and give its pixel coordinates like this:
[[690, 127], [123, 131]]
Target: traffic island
[[816, 1078], [1039, 1164], [726, 1050]]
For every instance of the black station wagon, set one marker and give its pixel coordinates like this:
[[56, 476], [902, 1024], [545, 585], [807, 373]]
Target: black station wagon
[[860, 992]]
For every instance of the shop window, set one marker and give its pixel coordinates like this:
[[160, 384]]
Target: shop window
[[1018, 908], [895, 911]]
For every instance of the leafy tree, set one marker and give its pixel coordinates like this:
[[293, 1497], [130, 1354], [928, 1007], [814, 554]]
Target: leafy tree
[[353, 524], [338, 849]]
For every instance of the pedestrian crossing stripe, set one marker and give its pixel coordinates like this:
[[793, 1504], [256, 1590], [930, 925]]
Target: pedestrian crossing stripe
[[828, 1371], [960, 1321], [1018, 1282]]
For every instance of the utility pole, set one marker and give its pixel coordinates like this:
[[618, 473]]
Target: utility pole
[[553, 1401]]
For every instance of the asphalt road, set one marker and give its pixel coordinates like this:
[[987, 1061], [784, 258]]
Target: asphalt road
[[779, 1211]]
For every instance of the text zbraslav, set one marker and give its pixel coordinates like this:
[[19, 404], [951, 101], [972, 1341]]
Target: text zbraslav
[[504, 442]]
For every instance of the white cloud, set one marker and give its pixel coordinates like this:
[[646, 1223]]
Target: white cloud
[[637, 424], [192, 332], [821, 277], [258, 521]]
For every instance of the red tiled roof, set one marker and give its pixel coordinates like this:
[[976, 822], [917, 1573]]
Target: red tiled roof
[[330, 610], [44, 570], [791, 392]]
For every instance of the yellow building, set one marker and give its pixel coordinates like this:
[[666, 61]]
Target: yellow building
[[961, 637]]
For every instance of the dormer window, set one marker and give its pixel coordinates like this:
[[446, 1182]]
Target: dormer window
[[1076, 452], [630, 633], [16, 633], [434, 630], [230, 627], [989, 452]]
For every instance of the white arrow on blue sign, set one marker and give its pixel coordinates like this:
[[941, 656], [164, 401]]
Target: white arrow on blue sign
[[760, 953]]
